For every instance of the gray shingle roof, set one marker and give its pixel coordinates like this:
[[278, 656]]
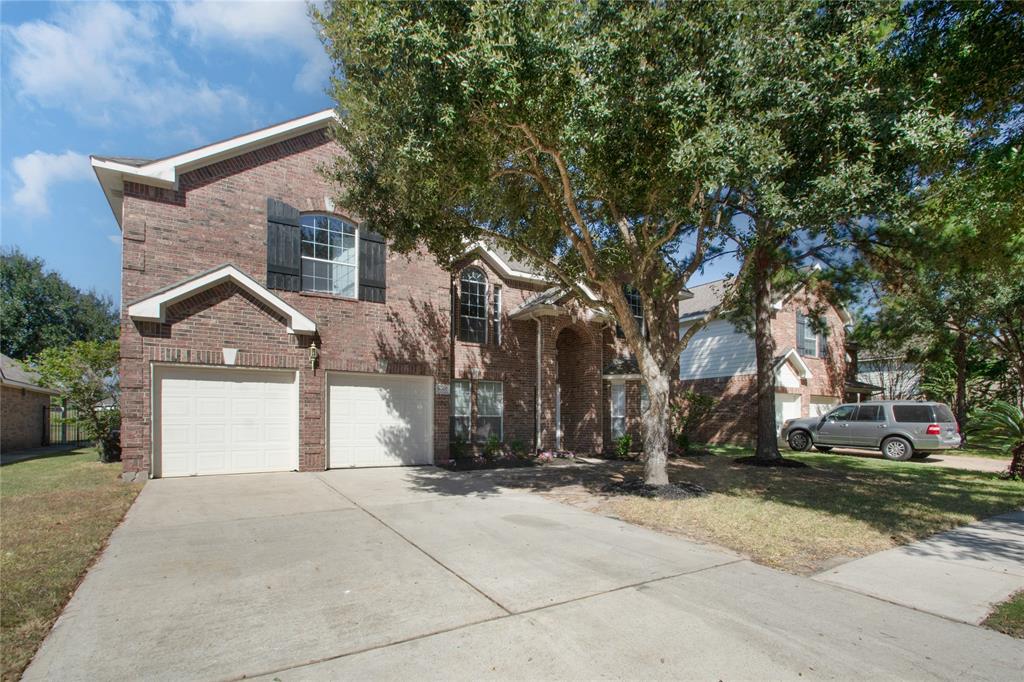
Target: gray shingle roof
[[126, 160], [705, 297], [13, 374]]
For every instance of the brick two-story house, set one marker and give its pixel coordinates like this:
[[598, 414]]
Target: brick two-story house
[[263, 330]]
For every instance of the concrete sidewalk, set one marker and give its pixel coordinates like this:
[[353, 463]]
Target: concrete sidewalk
[[961, 574]]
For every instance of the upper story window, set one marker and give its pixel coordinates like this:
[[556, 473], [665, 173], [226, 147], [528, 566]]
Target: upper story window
[[636, 308], [473, 306], [330, 255], [809, 341]]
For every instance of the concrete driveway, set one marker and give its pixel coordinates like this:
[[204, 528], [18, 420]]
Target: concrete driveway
[[402, 573]]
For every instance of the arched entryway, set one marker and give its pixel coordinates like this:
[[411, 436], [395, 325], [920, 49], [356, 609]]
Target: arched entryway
[[577, 392]]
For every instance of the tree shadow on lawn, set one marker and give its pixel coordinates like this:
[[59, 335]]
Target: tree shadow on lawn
[[905, 501]]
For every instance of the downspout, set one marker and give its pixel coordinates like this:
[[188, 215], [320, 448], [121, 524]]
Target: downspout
[[537, 407]]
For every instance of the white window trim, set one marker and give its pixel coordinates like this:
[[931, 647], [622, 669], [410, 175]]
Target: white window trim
[[302, 289], [811, 335], [501, 415], [469, 417], [617, 385]]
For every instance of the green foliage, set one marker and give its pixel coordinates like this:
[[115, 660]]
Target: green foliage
[[458, 448], [40, 310], [623, 446], [492, 448], [689, 411], [86, 374], [1001, 426], [518, 448]]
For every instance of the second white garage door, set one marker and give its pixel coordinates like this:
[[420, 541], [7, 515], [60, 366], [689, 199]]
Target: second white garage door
[[225, 421], [380, 420]]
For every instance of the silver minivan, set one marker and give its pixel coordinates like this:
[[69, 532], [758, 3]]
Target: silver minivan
[[901, 429]]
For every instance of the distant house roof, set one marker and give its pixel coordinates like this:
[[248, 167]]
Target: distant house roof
[[13, 374], [707, 296]]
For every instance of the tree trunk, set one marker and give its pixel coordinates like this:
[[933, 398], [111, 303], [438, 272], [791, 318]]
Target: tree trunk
[[960, 399], [1017, 463], [656, 422], [767, 445]]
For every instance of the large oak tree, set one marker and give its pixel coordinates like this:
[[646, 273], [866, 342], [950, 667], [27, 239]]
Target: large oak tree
[[613, 142]]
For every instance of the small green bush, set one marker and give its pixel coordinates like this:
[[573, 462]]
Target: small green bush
[[689, 411], [458, 448], [492, 448], [623, 446]]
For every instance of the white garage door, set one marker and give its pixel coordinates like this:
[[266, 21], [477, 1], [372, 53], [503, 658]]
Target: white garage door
[[380, 420], [821, 404], [226, 421], [787, 406]]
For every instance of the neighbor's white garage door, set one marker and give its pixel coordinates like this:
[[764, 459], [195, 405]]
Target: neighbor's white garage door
[[380, 420], [787, 406], [225, 421], [821, 404]]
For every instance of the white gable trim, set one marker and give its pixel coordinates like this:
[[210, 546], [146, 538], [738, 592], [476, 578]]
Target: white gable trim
[[798, 364], [166, 172], [499, 264], [154, 307]]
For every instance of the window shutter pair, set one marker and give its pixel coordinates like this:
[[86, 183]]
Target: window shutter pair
[[284, 254]]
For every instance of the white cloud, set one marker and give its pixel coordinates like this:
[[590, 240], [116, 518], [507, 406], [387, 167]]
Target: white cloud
[[103, 60], [265, 29], [39, 171]]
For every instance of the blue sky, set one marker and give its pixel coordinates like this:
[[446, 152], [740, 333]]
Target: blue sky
[[136, 79], [133, 79]]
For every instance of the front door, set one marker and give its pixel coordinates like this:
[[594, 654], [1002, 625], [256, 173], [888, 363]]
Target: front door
[[835, 430]]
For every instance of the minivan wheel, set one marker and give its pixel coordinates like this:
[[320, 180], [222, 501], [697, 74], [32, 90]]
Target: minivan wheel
[[799, 441], [897, 449]]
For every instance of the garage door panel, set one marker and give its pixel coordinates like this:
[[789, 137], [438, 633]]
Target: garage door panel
[[215, 421], [376, 420]]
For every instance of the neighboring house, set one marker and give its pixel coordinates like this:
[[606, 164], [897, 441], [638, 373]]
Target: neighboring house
[[893, 375], [23, 407], [720, 360], [263, 330]]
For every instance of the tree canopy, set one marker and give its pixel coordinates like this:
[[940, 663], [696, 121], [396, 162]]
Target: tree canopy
[[39, 309]]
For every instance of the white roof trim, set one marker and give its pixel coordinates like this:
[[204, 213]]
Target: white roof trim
[[14, 383], [166, 172], [154, 307], [794, 359], [498, 263]]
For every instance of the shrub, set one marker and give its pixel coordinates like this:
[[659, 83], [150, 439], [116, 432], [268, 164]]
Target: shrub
[[689, 411], [623, 446], [1001, 425], [492, 448], [458, 448], [518, 448]]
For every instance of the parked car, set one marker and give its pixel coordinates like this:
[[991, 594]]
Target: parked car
[[901, 429]]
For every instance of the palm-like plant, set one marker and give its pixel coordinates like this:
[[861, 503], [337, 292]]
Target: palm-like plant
[[1001, 425]]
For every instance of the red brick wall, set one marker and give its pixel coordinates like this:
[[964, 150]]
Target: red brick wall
[[21, 418], [218, 216]]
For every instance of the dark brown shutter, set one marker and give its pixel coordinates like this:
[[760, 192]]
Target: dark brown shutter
[[373, 266], [284, 246]]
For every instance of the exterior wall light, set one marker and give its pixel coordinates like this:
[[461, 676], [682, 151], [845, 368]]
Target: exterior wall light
[[314, 355]]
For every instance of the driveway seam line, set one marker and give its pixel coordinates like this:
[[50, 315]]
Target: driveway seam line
[[423, 551], [894, 603], [508, 614]]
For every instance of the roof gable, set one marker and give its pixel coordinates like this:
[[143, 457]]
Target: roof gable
[[113, 171], [153, 308]]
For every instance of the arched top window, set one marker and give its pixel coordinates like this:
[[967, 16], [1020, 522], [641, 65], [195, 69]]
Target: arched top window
[[473, 306], [330, 255]]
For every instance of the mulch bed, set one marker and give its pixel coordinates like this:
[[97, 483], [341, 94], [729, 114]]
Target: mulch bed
[[480, 463], [672, 491]]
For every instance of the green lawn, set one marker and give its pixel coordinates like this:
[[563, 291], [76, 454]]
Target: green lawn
[[803, 520], [1008, 616], [58, 511], [978, 452]]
